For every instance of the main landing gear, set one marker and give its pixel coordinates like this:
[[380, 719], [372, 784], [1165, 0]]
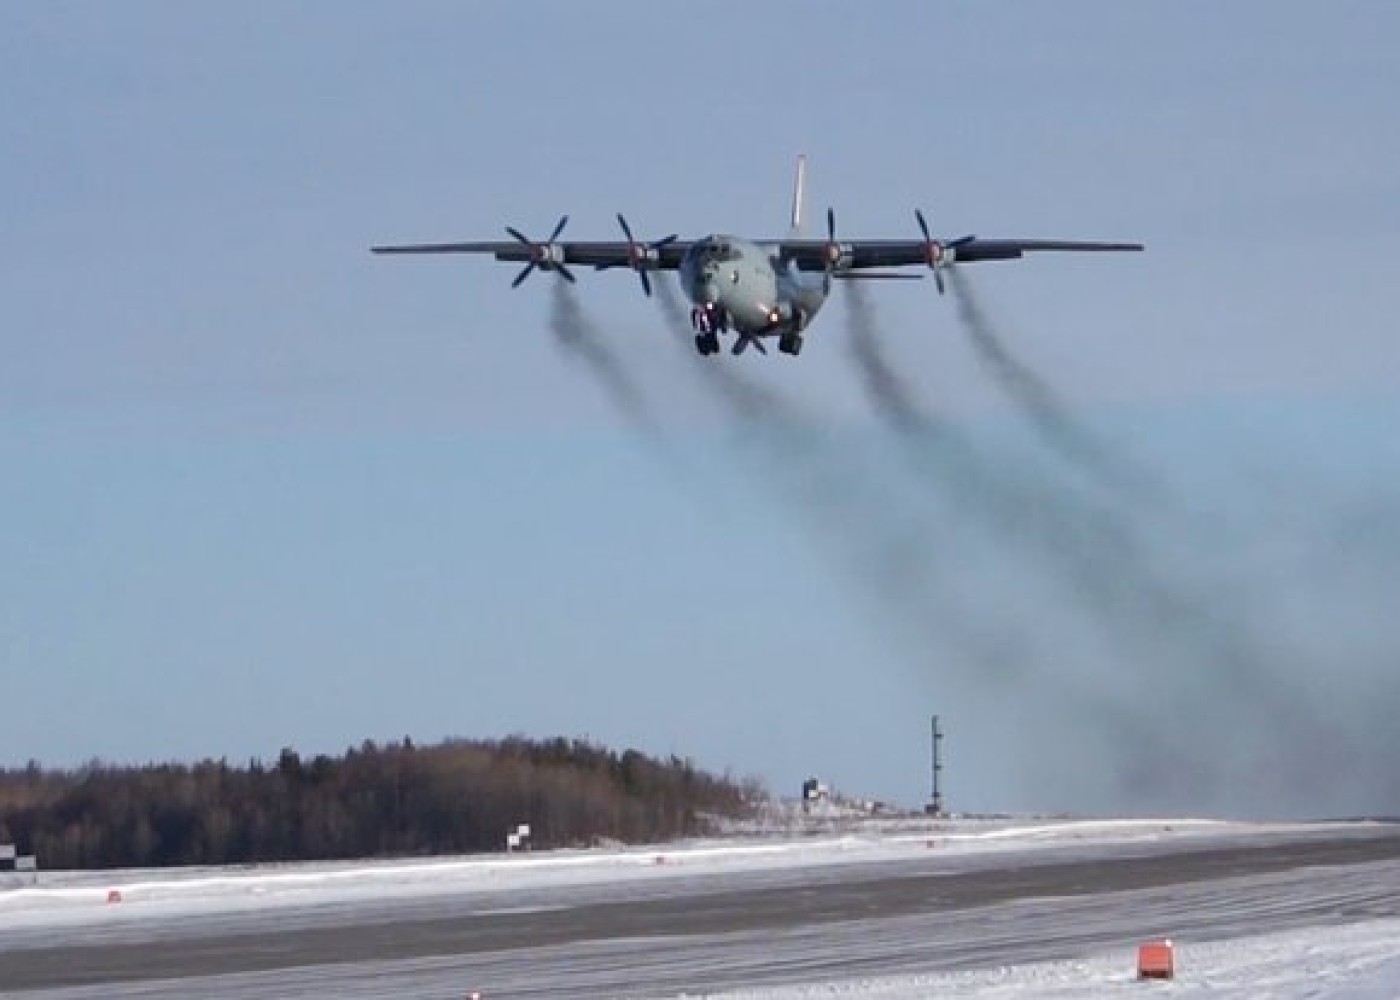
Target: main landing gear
[[708, 323]]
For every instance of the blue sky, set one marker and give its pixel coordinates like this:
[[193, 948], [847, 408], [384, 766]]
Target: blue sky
[[263, 489]]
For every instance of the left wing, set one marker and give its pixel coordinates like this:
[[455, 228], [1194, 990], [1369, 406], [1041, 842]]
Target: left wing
[[819, 255]]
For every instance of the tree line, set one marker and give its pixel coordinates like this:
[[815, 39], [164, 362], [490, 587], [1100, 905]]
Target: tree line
[[396, 799]]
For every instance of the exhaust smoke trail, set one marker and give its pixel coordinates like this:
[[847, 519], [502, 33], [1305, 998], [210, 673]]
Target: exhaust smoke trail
[[1201, 701], [580, 338], [1183, 649], [945, 460], [672, 311], [1041, 404], [841, 501]]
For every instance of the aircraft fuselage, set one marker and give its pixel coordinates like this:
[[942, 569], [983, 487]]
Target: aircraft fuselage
[[743, 287]]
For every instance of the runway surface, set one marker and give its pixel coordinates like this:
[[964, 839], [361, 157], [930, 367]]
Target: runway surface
[[675, 932]]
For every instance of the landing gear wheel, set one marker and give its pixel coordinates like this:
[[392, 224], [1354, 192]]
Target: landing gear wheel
[[790, 343], [707, 344]]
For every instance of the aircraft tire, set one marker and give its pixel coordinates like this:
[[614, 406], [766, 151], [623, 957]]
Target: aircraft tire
[[790, 343]]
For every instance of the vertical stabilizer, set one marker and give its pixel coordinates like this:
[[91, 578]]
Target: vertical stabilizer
[[799, 195]]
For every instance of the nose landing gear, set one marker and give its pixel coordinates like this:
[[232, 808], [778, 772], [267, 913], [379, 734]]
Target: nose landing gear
[[790, 343]]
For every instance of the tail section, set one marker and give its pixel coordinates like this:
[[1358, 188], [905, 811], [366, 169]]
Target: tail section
[[799, 196]]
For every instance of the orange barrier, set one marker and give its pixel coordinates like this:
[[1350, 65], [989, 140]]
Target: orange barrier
[[1155, 960]]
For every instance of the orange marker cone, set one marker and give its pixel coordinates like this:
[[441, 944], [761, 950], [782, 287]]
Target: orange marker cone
[[1156, 960]]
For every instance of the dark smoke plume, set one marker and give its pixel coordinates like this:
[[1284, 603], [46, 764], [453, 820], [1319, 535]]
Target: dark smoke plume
[[672, 311], [581, 339], [1199, 702], [839, 497], [944, 459], [1048, 413]]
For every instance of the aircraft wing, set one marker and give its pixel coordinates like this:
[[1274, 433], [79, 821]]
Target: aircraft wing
[[599, 254], [814, 255]]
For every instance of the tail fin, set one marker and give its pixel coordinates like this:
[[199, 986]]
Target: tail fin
[[799, 195]]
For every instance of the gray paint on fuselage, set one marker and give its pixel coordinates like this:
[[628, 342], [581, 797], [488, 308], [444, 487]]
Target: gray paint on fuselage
[[751, 282]]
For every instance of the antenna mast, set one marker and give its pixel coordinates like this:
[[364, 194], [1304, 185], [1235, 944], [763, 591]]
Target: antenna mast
[[935, 806]]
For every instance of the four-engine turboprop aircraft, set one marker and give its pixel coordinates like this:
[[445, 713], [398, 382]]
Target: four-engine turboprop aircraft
[[754, 288]]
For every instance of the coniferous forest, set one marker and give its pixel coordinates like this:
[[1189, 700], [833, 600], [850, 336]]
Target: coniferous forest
[[395, 799]]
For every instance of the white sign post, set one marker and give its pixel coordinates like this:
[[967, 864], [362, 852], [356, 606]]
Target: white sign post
[[21, 864], [518, 838]]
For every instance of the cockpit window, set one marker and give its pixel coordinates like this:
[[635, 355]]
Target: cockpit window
[[716, 250]]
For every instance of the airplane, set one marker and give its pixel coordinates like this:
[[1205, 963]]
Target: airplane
[[755, 288]]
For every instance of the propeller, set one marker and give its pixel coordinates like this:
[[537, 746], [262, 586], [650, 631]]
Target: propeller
[[546, 256], [936, 251], [641, 256], [832, 252]]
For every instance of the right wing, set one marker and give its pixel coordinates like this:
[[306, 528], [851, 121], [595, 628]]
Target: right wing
[[599, 254]]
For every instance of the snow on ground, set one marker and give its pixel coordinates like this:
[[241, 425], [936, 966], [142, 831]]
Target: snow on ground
[[1357, 960], [1351, 962], [67, 898]]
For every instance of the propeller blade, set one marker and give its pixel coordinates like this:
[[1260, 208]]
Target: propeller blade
[[638, 259], [937, 262], [542, 255], [833, 249]]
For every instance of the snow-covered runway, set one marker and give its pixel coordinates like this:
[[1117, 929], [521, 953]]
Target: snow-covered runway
[[891, 910]]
